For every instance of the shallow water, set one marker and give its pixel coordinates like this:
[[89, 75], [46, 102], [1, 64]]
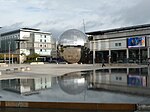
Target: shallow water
[[126, 85]]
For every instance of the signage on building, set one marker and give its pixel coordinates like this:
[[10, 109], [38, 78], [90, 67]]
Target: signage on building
[[136, 42]]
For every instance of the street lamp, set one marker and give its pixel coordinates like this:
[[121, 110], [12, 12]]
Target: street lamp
[[9, 51], [93, 52]]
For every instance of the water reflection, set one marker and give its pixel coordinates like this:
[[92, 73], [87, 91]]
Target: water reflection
[[127, 80], [73, 83], [26, 86], [121, 77]]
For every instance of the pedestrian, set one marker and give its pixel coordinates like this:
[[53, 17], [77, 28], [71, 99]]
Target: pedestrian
[[103, 62]]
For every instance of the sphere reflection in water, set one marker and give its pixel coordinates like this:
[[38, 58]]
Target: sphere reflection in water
[[72, 83], [70, 43]]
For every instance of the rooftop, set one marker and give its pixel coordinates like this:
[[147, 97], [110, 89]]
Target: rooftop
[[102, 32], [11, 31]]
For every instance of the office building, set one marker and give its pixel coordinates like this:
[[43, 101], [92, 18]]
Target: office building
[[121, 45], [25, 41]]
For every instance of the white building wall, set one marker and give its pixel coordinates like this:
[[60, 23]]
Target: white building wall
[[23, 44], [100, 45], [120, 43], [42, 44], [103, 45], [37, 37], [24, 34]]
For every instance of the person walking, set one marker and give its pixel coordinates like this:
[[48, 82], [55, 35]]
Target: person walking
[[103, 62]]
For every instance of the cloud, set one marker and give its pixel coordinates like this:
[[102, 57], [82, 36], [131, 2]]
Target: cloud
[[57, 16], [138, 14], [11, 27]]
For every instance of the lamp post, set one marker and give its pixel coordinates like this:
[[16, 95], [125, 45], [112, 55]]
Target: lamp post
[[93, 52], [9, 51]]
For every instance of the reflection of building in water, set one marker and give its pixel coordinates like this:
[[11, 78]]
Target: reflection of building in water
[[127, 80], [119, 76], [109, 76], [26, 85], [123, 77], [73, 83], [102, 76]]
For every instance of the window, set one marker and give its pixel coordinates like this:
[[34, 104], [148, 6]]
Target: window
[[40, 45], [45, 50], [118, 78], [41, 50], [45, 36], [40, 40], [117, 44], [44, 40], [45, 46]]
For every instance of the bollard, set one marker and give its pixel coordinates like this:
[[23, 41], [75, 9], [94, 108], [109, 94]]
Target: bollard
[[22, 69], [27, 68]]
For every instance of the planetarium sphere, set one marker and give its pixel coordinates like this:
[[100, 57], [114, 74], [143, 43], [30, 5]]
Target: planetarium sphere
[[70, 43], [72, 83], [72, 37]]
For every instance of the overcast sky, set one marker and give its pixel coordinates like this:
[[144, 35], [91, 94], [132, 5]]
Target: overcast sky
[[57, 16]]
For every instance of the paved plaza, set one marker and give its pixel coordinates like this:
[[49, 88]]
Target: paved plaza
[[55, 69]]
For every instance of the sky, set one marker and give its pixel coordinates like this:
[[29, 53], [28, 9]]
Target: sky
[[57, 16]]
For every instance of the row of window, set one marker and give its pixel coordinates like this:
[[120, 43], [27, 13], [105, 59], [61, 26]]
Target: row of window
[[42, 45], [16, 36], [44, 36], [42, 41]]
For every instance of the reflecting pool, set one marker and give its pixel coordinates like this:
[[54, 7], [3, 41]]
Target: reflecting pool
[[124, 85]]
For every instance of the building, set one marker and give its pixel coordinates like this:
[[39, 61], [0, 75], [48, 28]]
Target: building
[[25, 41], [121, 45]]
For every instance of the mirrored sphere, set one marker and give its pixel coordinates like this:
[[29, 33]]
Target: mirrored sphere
[[70, 44], [72, 83], [72, 37]]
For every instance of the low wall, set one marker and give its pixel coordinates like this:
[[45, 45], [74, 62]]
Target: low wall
[[69, 105]]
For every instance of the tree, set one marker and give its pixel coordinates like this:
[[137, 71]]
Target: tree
[[32, 57], [1, 56]]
